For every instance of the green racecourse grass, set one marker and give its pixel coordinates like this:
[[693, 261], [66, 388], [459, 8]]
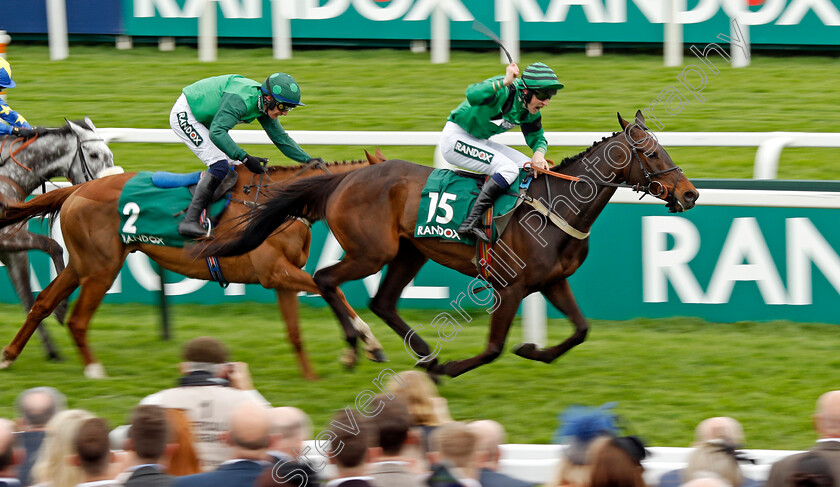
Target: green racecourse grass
[[399, 90], [666, 374]]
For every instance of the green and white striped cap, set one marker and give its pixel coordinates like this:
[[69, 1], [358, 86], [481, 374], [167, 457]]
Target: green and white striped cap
[[538, 76]]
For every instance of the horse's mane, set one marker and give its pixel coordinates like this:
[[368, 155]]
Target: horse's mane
[[327, 164], [65, 129], [572, 159]]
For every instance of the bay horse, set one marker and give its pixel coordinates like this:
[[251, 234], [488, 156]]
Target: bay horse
[[74, 151], [372, 212], [90, 224]]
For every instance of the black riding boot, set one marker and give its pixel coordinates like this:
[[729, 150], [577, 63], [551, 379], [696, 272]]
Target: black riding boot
[[489, 192], [190, 226]]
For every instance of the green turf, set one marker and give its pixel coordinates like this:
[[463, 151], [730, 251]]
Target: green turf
[[399, 90], [666, 375]]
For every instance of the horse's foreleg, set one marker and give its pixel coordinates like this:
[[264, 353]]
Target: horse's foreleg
[[58, 290], [373, 349], [400, 272], [328, 279], [288, 302], [21, 241], [506, 303], [560, 295]]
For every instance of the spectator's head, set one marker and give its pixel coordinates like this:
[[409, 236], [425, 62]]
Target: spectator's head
[[489, 435], [350, 449], [455, 444], [148, 433], [710, 481], [290, 427], [394, 424], [617, 463], [720, 428], [287, 474], [7, 444], [204, 354], [93, 448], [419, 393], [249, 431], [59, 443], [811, 470], [716, 457], [183, 460], [827, 416], [36, 406]]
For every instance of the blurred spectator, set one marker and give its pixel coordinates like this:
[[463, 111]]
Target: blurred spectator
[[35, 407], [618, 463], [248, 438], [707, 482], [827, 425], [93, 453], [490, 435], [722, 436], [286, 474], [209, 390], [7, 454], [582, 428], [453, 457], [811, 470], [290, 427], [148, 436], [183, 460], [428, 410], [52, 469], [350, 451], [394, 468]]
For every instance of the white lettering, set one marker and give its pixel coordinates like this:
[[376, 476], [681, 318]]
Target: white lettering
[[592, 9], [805, 245], [394, 10], [825, 10], [745, 242], [660, 265], [454, 10]]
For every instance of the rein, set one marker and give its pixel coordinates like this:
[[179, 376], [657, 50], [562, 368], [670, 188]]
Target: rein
[[314, 164], [24, 144]]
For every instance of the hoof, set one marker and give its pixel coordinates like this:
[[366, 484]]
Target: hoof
[[95, 371], [311, 377], [525, 350], [54, 357], [348, 359], [6, 359], [377, 355]]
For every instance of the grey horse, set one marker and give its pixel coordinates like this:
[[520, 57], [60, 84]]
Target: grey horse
[[74, 151]]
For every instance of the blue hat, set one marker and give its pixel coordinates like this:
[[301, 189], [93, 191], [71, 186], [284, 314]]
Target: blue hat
[[6, 75]]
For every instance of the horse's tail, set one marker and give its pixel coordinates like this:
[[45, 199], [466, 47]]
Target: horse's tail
[[304, 198], [47, 204]]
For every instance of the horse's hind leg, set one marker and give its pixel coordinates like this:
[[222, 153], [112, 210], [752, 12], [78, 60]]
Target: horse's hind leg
[[58, 290], [560, 295], [22, 241], [288, 302], [506, 303], [17, 265], [90, 297], [400, 272]]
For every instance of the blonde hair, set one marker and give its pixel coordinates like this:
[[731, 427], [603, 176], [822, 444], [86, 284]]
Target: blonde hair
[[711, 456], [418, 392], [51, 466]]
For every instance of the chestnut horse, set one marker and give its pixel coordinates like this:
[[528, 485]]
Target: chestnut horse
[[90, 223], [372, 212]]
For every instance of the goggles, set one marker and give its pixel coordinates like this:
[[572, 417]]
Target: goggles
[[543, 95]]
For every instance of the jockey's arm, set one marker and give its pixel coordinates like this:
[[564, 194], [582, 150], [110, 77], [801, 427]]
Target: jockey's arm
[[535, 138], [12, 118], [485, 92], [230, 112], [282, 140]]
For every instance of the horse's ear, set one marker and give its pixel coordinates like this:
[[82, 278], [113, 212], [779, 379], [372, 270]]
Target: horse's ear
[[640, 119], [622, 122], [89, 123], [76, 128], [370, 158], [379, 155]]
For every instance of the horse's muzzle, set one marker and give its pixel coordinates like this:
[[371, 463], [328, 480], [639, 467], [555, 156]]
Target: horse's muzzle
[[110, 171]]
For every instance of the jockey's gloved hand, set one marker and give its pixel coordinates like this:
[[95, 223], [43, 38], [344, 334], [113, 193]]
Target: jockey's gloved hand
[[41, 130], [315, 160], [254, 164], [23, 132]]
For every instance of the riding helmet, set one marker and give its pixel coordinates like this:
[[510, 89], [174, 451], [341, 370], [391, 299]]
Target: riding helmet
[[6, 75], [538, 76], [283, 88]]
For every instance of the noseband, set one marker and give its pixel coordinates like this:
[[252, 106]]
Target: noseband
[[80, 156], [652, 187]]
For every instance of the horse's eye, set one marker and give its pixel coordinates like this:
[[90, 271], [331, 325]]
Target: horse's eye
[[654, 155]]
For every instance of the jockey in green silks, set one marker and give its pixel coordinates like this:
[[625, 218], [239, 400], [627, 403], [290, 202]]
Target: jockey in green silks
[[209, 108], [493, 106]]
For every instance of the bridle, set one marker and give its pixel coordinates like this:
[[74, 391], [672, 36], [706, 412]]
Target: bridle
[[80, 156]]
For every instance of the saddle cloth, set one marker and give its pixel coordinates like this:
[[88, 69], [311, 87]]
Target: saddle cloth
[[445, 203], [149, 214]]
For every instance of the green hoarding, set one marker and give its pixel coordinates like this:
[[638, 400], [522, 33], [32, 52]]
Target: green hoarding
[[770, 22], [720, 263]]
